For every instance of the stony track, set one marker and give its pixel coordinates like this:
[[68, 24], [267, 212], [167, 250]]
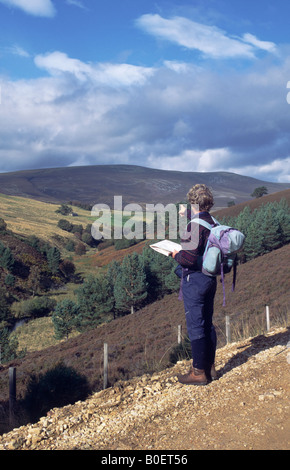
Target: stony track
[[247, 408]]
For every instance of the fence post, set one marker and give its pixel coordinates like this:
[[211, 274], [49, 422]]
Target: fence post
[[267, 318], [12, 393], [228, 329], [105, 365], [179, 334]]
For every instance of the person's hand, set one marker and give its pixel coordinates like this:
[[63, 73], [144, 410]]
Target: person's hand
[[174, 253], [182, 210]]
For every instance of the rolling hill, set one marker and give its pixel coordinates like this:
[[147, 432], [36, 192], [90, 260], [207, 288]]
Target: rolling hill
[[26, 216], [136, 184]]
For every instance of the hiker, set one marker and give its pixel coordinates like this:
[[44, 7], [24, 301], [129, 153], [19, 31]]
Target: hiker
[[198, 289]]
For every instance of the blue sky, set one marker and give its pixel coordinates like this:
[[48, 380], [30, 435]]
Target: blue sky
[[196, 85]]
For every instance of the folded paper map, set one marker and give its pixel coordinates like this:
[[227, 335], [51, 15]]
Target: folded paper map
[[166, 247]]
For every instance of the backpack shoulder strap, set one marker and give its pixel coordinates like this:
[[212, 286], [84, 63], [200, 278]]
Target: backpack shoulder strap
[[215, 221], [202, 222]]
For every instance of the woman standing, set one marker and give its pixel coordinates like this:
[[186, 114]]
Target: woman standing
[[198, 289]]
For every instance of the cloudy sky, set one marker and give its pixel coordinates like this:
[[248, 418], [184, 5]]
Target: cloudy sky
[[190, 85]]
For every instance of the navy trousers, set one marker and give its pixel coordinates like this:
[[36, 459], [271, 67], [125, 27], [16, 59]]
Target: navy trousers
[[198, 297]]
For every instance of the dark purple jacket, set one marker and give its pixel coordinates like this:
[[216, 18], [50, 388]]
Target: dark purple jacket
[[194, 243]]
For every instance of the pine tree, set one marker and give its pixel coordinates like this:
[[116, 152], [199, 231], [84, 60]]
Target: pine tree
[[259, 192], [64, 318], [95, 301], [130, 289], [4, 306], [8, 346], [253, 246], [111, 276], [244, 220], [6, 257], [159, 274], [283, 217], [253, 242], [53, 259], [271, 230]]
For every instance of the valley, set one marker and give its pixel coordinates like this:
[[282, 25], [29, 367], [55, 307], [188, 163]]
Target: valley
[[139, 343]]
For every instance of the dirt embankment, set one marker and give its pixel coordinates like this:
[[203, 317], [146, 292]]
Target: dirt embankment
[[247, 408]]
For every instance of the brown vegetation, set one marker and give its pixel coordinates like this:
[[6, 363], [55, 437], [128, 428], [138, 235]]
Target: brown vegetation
[[234, 211], [141, 342]]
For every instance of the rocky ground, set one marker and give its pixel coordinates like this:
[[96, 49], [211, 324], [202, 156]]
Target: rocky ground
[[247, 408]]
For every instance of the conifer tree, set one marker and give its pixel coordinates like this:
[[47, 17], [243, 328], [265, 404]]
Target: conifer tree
[[130, 289], [271, 230], [283, 217], [64, 318], [159, 274], [4, 307], [243, 220], [253, 242], [6, 257], [53, 259], [253, 246], [8, 345], [94, 301], [111, 276]]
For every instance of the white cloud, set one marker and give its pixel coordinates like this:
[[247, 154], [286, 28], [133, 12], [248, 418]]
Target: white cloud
[[16, 50], [33, 7], [76, 3], [193, 160], [265, 45], [277, 170], [58, 63], [209, 40], [177, 117], [179, 67]]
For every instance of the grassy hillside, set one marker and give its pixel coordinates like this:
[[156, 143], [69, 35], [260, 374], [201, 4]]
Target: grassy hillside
[[142, 342], [233, 211], [31, 217]]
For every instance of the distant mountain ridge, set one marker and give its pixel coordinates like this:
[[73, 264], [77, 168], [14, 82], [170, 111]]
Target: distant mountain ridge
[[136, 184]]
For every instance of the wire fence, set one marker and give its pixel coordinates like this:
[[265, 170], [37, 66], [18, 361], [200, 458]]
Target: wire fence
[[180, 339]]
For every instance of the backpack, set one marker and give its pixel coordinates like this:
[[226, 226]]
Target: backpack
[[220, 254]]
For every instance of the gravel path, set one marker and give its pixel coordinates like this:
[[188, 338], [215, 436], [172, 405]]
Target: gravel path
[[247, 408]]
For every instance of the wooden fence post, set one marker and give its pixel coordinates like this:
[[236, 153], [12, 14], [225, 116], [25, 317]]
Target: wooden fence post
[[228, 329], [105, 365], [12, 394], [267, 318], [179, 334]]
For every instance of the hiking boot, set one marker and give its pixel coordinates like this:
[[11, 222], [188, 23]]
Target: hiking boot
[[193, 377], [213, 373]]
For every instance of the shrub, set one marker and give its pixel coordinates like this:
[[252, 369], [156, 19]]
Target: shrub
[[64, 318], [10, 280], [58, 387], [64, 209], [3, 225], [80, 249], [36, 307], [9, 346], [65, 225], [6, 257], [181, 351]]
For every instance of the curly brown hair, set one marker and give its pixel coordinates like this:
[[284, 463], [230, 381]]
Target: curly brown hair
[[202, 196]]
